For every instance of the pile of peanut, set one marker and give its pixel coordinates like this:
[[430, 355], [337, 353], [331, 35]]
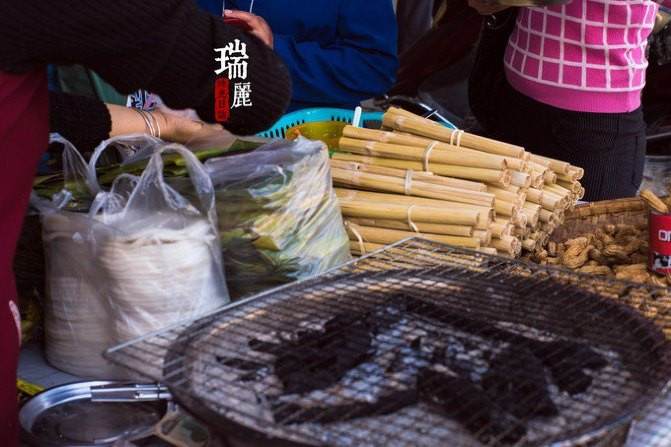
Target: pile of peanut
[[618, 251]]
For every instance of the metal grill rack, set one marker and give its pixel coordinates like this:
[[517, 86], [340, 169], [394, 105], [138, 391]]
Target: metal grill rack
[[426, 344]]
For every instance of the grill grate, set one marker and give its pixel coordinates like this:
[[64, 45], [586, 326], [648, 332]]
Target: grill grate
[[425, 344]]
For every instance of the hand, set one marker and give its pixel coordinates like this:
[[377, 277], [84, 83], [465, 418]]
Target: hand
[[485, 8], [180, 129], [259, 26]]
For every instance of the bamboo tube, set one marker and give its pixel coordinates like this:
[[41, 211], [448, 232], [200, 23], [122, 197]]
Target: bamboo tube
[[548, 228], [530, 244], [501, 228], [403, 212], [545, 216], [516, 164], [581, 194], [400, 186], [428, 177], [520, 179], [559, 217], [578, 171], [551, 201], [504, 208], [385, 236], [509, 188], [551, 178], [488, 250], [522, 233], [502, 194], [487, 215], [410, 140], [573, 187], [440, 155], [426, 128], [569, 178], [356, 248], [422, 176], [537, 180], [504, 254], [478, 174], [537, 167], [535, 195], [450, 230], [559, 190], [519, 220], [508, 244], [485, 236], [560, 167], [537, 227], [533, 212]]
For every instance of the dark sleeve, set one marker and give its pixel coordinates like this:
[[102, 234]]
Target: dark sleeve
[[165, 46], [361, 64], [83, 121]]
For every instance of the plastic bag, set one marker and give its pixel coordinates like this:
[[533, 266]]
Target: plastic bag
[[143, 257], [279, 218]]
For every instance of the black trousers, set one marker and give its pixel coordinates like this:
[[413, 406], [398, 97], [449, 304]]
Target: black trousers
[[609, 146]]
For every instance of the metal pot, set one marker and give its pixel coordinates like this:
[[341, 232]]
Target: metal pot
[[66, 416]]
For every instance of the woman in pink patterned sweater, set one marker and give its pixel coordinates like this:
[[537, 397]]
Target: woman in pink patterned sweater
[[575, 76]]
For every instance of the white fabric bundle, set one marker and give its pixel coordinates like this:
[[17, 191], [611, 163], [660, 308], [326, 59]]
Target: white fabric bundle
[[77, 312], [158, 277], [143, 258]]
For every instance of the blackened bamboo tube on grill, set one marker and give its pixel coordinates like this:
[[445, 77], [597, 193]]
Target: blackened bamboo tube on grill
[[404, 212], [423, 227], [385, 236]]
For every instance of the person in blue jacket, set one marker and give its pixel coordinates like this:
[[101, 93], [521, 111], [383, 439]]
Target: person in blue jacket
[[339, 52]]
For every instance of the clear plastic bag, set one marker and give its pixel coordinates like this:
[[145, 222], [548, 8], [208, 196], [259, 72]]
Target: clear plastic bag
[[279, 218], [143, 257]]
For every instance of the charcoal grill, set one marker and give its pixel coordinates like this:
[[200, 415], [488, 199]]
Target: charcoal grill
[[423, 344]]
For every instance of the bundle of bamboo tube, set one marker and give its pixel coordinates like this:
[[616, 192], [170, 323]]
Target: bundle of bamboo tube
[[420, 178]]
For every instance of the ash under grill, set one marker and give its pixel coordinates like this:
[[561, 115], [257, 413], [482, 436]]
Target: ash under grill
[[418, 345]]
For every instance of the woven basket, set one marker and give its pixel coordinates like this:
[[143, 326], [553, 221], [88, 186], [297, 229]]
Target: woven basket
[[590, 216]]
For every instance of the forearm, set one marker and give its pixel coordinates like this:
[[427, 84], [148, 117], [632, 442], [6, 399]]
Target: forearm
[[83, 121]]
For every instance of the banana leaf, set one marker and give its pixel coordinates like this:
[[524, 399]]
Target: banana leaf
[[279, 219]]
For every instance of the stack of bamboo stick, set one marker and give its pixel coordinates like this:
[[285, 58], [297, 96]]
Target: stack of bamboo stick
[[418, 178]]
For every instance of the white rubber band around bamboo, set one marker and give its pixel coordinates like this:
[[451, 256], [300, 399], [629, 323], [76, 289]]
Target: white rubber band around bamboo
[[455, 137], [408, 181], [411, 224], [362, 246], [427, 154]]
